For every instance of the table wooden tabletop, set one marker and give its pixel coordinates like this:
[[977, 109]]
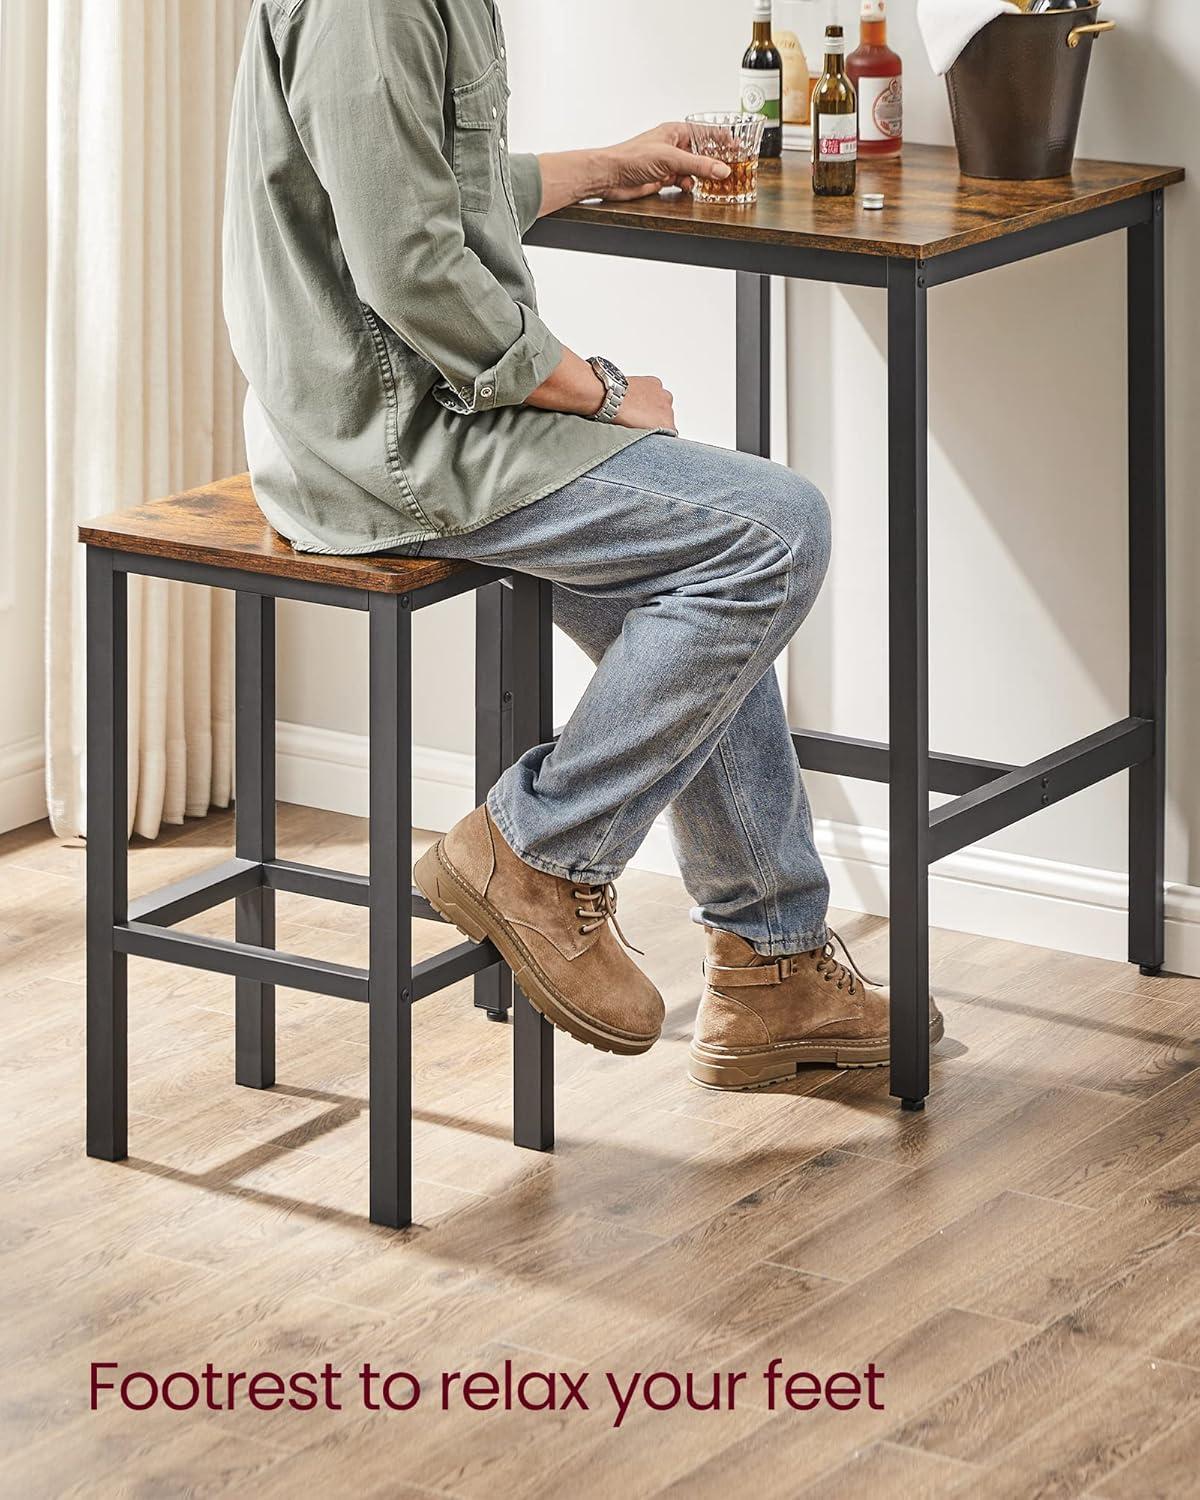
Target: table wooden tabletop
[[931, 208]]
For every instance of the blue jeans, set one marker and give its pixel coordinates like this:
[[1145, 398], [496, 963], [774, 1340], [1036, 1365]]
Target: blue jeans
[[682, 571]]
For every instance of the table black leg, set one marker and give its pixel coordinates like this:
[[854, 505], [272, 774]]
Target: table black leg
[[908, 690], [753, 327], [254, 912], [1147, 583], [493, 746], [533, 724], [390, 984], [107, 835]]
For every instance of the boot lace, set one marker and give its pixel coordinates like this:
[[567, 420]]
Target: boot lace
[[597, 905], [842, 974]]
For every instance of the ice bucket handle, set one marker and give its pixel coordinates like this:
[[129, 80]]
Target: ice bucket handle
[[1094, 29]]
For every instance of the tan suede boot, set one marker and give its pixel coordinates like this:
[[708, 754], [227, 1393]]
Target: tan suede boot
[[761, 1018], [554, 934]]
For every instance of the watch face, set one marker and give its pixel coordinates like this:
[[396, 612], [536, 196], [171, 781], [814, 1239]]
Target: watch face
[[612, 376]]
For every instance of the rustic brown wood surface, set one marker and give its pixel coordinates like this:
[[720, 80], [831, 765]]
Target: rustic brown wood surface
[[221, 524], [1022, 1261], [931, 207]]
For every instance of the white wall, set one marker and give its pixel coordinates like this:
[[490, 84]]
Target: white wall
[[1027, 467], [22, 304]]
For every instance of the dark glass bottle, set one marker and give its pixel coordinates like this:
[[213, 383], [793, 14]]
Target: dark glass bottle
[[834, 123], [762, 80], [877, 75]]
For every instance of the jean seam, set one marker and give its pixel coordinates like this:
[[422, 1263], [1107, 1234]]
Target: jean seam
[[750, 830], [720, 706], [642, 489]]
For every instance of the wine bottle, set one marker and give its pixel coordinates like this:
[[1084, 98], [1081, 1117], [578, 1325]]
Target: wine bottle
[[834, 123], [877, 75], [762, 80]]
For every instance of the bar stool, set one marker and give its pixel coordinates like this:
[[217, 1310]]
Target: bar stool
[[217, 536]]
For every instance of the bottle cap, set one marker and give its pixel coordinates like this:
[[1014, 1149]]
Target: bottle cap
[[762, 10], [874, 10], [872, 200]]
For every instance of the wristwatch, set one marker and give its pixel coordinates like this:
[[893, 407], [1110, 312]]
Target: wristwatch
[[615, 384]]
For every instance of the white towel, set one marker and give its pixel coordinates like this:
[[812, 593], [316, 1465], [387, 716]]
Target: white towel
[[948, 25]]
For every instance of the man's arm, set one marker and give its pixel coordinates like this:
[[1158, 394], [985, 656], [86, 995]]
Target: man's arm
[[660, 158], [635, 169]]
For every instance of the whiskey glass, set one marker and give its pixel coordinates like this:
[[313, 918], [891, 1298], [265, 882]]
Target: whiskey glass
[[735, 139]]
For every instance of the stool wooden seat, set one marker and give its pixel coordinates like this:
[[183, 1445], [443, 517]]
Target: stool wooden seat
[[221, 525], [216, 535]]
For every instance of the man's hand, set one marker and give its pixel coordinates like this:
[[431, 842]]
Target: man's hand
[[647, 405], [659, 158]]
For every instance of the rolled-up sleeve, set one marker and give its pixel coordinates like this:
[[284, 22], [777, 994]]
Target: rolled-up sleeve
[[527, 188], [365, 87]]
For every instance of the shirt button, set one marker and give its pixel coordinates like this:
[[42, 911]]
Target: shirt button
[[502, 143], [486, 390], [495, 112], [503, 53]]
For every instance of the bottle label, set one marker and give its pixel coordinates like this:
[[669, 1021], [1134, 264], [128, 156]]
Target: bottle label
[[762, 92], [837, 137], [880, 109]]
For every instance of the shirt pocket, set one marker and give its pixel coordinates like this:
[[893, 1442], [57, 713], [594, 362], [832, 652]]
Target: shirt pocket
[[480, 113]]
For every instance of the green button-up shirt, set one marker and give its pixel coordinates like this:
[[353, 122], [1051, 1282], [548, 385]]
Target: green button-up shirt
[[377, 295]]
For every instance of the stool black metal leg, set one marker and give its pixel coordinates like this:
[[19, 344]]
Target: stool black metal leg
[[107, 834], [493, 746], [254, 912], [390, 983], [753, 315], [1147, 583], [908, 679], [533, 724]]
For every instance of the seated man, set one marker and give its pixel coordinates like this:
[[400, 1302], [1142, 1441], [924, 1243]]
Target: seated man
[[404, 394]]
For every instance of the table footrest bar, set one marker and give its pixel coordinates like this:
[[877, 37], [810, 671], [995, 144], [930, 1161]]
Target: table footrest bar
[[448, 968], [312, 880], [870, 760], [1028, 789], [242, 960], [198, 893]]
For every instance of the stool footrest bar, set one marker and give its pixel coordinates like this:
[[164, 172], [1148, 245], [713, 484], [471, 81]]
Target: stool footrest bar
[[448, 968], [198, 893], [312, 880], [242, 960], [1029, 788]]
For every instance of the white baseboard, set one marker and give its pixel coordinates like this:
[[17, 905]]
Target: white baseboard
[[22, 783], [1072, 908]]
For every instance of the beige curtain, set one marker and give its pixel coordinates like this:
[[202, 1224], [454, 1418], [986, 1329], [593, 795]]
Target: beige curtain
[[142, 395]]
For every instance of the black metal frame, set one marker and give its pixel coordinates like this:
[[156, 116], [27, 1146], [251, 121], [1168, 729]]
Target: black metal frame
[[988, 795], [513, 677]]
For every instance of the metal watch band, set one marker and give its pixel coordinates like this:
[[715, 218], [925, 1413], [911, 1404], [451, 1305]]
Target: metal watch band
[[616, 384]]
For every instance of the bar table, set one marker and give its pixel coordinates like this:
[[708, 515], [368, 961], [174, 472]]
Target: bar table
[[939, 226]]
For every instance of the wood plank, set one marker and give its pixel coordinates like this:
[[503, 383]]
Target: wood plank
[[220, 524], [931, 207], [672, 1227]]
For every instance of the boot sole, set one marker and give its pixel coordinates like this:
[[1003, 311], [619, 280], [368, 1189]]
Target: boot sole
[[758, 1070], [452, 898]]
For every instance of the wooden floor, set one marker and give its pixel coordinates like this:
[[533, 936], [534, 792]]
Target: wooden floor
[[1022, 1261]]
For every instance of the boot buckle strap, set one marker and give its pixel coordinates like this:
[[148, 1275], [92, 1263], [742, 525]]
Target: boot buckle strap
[[754, 975]]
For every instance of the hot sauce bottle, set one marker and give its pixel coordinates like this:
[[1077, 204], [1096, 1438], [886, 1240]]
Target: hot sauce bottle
[[876, 72]]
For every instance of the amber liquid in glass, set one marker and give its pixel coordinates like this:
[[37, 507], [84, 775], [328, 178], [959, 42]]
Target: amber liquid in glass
[[741, 183]]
